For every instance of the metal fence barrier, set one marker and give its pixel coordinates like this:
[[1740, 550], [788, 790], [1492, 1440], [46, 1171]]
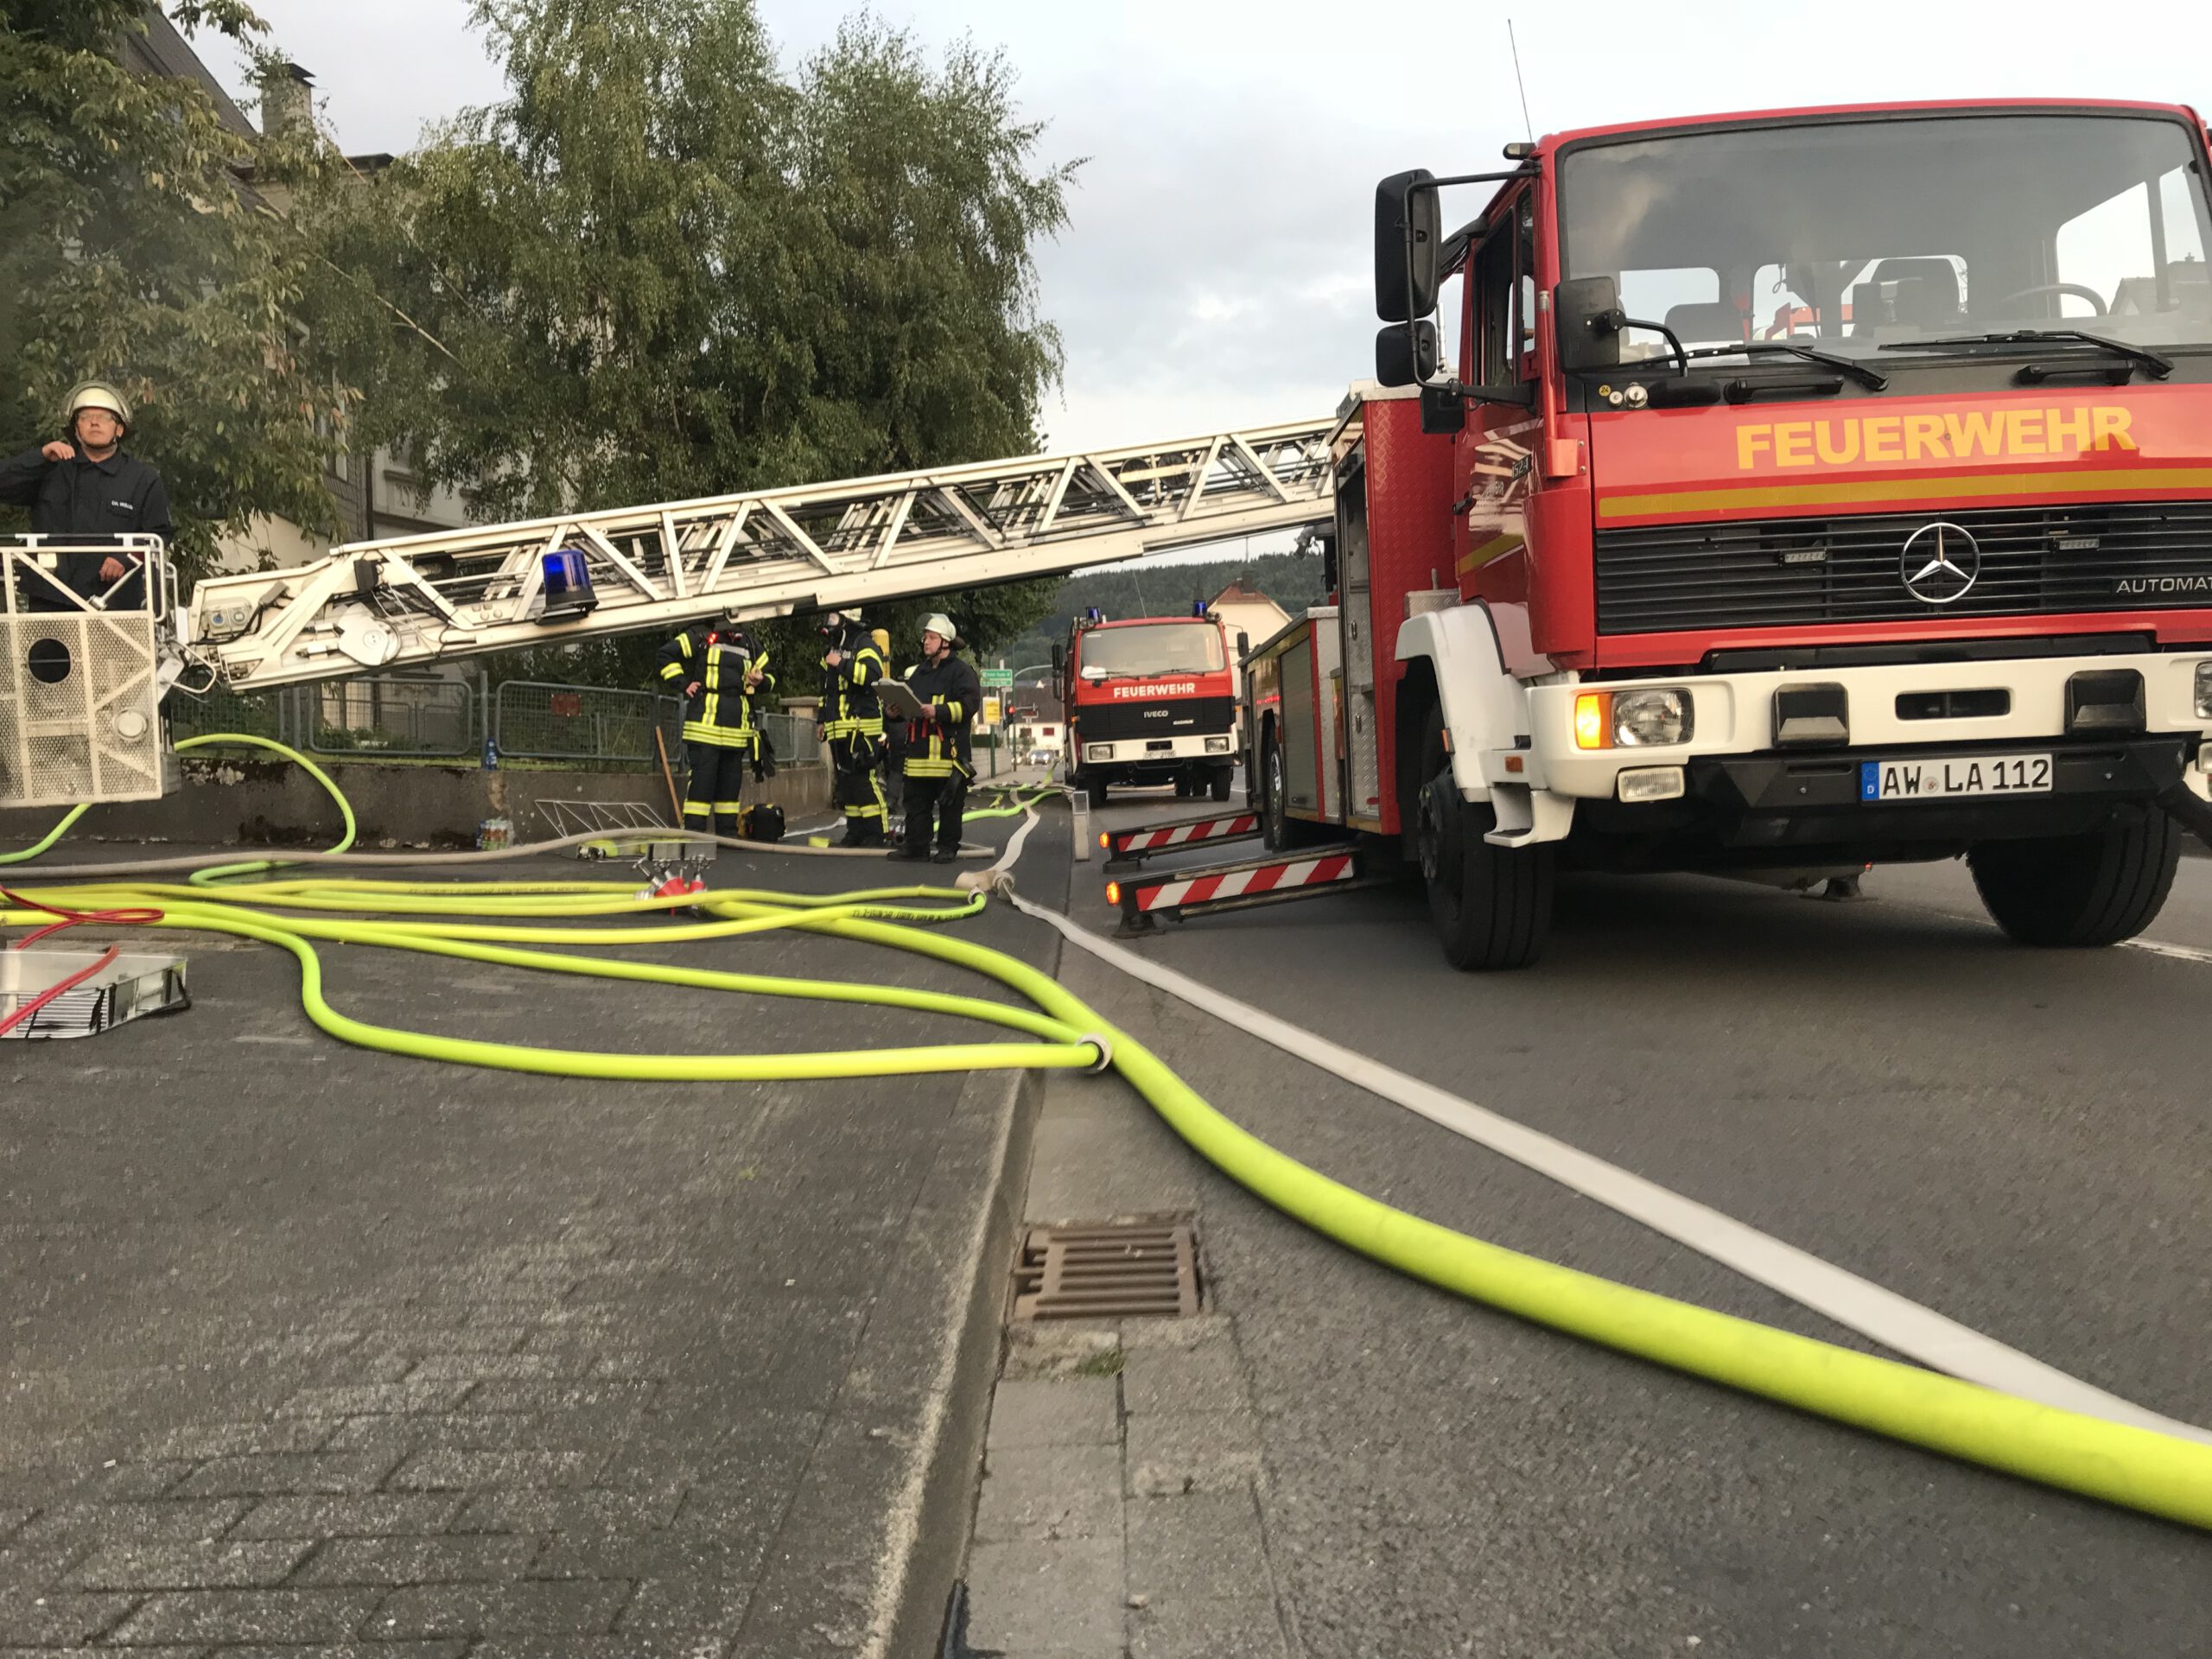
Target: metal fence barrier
[[384, 715], [537, 721], [792, 738], [262, 714], [402, 717]]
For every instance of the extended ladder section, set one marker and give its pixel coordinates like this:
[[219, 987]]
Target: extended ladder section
[[765, 553]]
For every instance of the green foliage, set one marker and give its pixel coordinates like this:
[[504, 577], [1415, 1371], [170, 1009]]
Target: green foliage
[[659, 268], [132, 253], [662, 268], [990, 620]]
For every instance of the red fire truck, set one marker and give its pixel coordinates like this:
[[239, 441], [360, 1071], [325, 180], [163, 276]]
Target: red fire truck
[[1149, 700], [1626, 581]]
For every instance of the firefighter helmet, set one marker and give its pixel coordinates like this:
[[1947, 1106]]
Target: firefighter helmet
[[97, 394], [940, 625]]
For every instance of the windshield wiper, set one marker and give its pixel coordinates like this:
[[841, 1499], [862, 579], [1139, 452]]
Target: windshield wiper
[[2160, 367], [1874, 380]]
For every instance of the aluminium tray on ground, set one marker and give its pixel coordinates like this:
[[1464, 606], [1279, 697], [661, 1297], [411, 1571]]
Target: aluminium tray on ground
[[129, 987]]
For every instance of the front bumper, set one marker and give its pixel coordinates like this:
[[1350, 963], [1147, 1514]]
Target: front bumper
[[1165, 753], [1734, 722]]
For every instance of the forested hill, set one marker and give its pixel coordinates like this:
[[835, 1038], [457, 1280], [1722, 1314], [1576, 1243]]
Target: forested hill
[[1292, 580]]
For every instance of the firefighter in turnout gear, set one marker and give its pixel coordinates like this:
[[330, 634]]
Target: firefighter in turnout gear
[[894, 740], [720, 674], [852, 724], [939, 756]]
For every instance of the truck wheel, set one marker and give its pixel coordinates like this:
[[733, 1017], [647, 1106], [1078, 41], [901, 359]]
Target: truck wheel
[[2077, 891], [1491, 906], [1182, 787], [1096, 787], [1222, 780], [1274, 823]]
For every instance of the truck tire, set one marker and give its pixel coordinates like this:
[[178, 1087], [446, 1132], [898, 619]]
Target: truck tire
[[1096, 787], [2078, 892], [1274, 823], [1491, 906], [1221, 780]]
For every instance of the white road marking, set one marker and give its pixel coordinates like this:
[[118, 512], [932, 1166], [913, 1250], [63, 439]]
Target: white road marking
[[2156, 947], [2183, 952], [1897, 1322]]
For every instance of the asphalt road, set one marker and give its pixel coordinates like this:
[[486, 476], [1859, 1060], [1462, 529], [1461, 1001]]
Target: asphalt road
[[2018, 1139]]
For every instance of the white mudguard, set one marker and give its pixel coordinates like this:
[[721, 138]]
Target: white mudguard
[[1486, 712]]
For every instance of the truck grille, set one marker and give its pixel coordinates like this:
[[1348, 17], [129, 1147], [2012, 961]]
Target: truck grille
[[1788, 572], [1105, 722]]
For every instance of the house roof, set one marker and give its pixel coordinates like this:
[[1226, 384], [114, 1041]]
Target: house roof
[[1238, 593], [163, 51]]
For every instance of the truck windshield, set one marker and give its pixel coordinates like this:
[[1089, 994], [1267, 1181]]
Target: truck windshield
[[1852, 235], [1153, 648]]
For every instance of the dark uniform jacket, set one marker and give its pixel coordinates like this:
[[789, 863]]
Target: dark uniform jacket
[[955, 696], [721, 712], [853, 709], [93, 500]]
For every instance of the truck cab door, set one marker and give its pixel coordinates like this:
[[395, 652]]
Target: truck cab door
[[1495, 453]]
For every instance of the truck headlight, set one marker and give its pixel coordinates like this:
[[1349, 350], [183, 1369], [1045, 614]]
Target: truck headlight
[[1642, 718], [1632, 720], [2204, 690], [1098, 751], [1220, 745]]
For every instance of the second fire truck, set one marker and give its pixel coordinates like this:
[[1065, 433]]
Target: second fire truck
[[1149, 700]]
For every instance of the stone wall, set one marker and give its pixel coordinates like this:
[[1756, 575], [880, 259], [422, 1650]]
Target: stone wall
[[226, 800]]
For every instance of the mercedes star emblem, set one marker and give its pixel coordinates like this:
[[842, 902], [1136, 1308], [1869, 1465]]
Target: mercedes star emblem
[[1940, 563]]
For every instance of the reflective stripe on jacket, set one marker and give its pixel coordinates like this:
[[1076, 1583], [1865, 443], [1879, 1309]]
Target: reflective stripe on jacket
[[856, 712], [722, 712], [941, 744]]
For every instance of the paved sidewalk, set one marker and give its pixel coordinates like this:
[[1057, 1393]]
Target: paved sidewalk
[[1120, 1512], [323, 1352]]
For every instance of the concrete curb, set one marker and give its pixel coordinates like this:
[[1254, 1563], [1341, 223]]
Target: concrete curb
[[945, 1510], [877, 1535]]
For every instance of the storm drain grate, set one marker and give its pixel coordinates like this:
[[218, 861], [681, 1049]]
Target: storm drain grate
[[1107, 1270]]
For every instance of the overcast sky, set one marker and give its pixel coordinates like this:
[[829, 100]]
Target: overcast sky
[[1216, 271]]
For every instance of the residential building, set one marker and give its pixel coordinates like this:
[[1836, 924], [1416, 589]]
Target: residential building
[[1249, 611], [377, 495]]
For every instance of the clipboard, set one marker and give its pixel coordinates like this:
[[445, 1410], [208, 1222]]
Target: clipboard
[[898, 699]]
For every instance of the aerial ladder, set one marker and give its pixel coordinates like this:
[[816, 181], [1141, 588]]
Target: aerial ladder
[[81, 687]]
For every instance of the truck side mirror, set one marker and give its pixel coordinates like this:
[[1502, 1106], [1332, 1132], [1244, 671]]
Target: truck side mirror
[[1405, 352], [1589, 318], [1059, 671], [1409, 229], [1243, 644]]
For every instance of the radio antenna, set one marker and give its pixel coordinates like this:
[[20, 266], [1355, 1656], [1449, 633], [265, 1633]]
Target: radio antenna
[[1518, 82]]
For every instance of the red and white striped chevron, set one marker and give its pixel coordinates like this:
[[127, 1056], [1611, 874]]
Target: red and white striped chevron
[[1268, 878], [1181, 835]]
